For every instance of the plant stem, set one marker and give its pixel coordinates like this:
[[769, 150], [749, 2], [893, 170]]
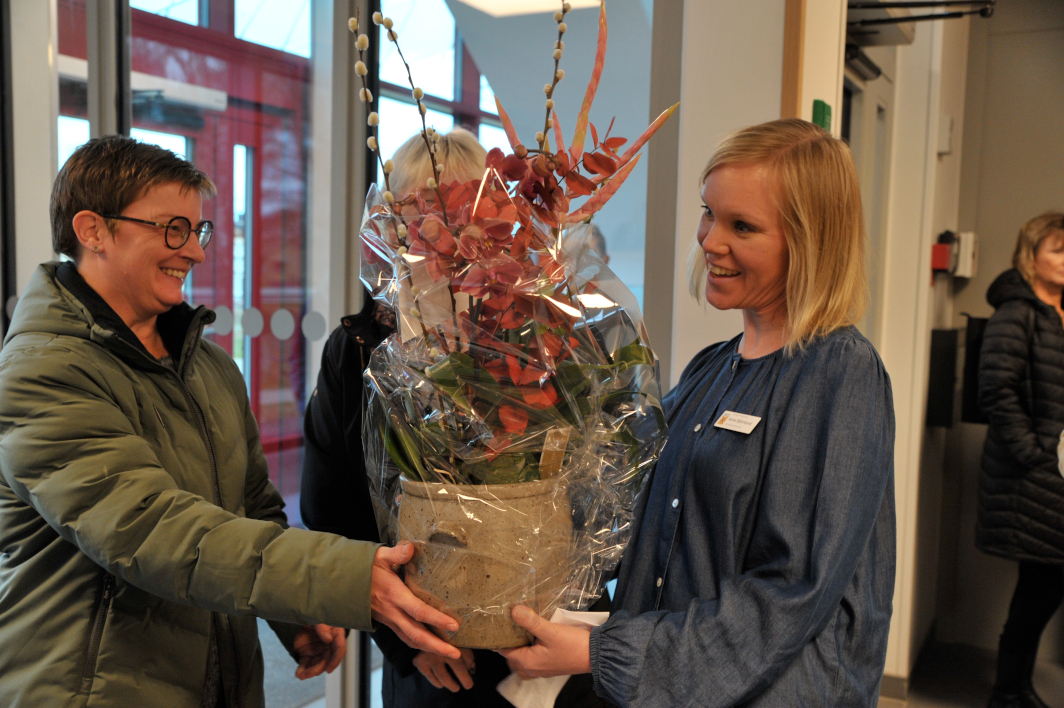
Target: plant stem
[[424, 128], [554, 83]]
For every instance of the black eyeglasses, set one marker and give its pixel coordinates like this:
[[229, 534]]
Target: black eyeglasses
[[177, 230]]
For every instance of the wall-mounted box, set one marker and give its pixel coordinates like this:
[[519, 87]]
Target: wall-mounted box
[[967, 254]]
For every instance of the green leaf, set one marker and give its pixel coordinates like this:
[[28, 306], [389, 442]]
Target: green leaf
[[394, 449], [634, 354]]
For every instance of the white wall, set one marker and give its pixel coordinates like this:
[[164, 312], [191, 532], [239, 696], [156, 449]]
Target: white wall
[[1013, 149], [924, 196], [35, 97], [732, 59], [823, 58], [903, 313]]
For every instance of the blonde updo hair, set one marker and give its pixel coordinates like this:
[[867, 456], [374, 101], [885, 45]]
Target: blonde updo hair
[[459, 152], [819, 199], [1032, 235]]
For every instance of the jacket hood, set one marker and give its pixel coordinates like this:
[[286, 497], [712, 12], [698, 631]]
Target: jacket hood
[[58, 301], [1010, 285]]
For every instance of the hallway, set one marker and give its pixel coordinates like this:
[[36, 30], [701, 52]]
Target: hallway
[[959, 676]]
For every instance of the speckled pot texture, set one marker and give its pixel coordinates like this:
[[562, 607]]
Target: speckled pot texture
[[482, 549]]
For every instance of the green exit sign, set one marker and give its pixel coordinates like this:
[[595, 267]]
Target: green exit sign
[[822, 114]]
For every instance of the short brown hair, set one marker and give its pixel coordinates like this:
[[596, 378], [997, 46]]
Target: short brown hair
[[819, 199], [106, 175], [1031, 236]]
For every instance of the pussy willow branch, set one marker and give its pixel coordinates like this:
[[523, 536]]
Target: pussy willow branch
[[421, 109], [369, 104], [373, 128], [554, 83]]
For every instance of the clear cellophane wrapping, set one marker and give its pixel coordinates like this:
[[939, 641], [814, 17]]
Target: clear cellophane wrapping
[[512, 420]]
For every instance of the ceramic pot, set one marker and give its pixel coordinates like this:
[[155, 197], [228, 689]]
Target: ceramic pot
[[482, 549]]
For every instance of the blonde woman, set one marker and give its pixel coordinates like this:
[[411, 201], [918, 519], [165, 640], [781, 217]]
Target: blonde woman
[[761, 568], [461, 155], [1021, 389]]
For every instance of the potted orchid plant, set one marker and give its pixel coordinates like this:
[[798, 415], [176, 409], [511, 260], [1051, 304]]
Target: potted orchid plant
[[511, 422]]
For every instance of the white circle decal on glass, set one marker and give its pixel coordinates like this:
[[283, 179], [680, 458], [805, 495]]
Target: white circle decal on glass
[[252, 322], [282, 324], [223, 320], [313, 326]]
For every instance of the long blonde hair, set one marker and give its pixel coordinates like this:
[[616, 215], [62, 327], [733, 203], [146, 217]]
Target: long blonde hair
[[1031, 236], [459, 152], [819, 199]]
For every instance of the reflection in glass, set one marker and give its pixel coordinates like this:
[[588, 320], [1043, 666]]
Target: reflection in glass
[[280, 24], [400, 120], [427, 38], [186, 11], [241, 237]]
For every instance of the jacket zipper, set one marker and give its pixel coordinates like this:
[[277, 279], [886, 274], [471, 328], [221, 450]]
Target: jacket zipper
[[212, 455], [98, 621], [190, 347]]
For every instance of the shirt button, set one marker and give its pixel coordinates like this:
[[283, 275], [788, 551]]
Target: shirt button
[[659, 582], [675, 503], [698, 426]]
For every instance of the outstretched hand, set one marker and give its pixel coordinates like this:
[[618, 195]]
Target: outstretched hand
[[320, 648], [441, 672], [392, 604], [559, 650]]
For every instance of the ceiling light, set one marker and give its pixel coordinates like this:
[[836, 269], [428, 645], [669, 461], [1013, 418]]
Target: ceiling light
[[505, 8]]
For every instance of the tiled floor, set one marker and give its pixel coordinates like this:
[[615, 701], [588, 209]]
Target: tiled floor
[[958, 676]]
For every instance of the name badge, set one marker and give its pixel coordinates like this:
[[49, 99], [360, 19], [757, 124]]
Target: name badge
[[739, 422]]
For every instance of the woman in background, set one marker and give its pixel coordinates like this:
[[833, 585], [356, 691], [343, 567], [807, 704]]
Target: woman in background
[[1021, 495], [335, 492]]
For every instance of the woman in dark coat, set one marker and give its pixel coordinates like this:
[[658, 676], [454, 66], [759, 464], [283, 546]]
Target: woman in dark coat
[[334, 494], [1021, 495]]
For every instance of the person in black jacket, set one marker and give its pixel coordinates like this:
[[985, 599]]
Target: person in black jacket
[[1021, 495], [334, 493]]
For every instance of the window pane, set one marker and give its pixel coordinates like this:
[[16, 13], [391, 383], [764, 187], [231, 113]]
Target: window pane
[[426, 36], [494, 137], [73, 77], [186, 11], [280, 24], [183, 11], [177, 144], [487, 97], [73, 133], [242, 115], [399, 121]]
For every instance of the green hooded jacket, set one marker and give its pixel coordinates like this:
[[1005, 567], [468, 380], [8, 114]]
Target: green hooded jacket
[[136, 513]]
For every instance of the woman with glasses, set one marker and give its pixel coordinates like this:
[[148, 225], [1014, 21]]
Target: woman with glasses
[[140, 536]]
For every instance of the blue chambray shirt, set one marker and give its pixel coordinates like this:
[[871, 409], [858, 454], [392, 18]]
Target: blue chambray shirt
[[761, 568]]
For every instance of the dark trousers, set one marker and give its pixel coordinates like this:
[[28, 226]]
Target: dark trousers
[[1039, 592]]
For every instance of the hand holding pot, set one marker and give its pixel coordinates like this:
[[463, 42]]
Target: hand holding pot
[[435, 668], [558, 651], [392, 604], [320, 648]]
